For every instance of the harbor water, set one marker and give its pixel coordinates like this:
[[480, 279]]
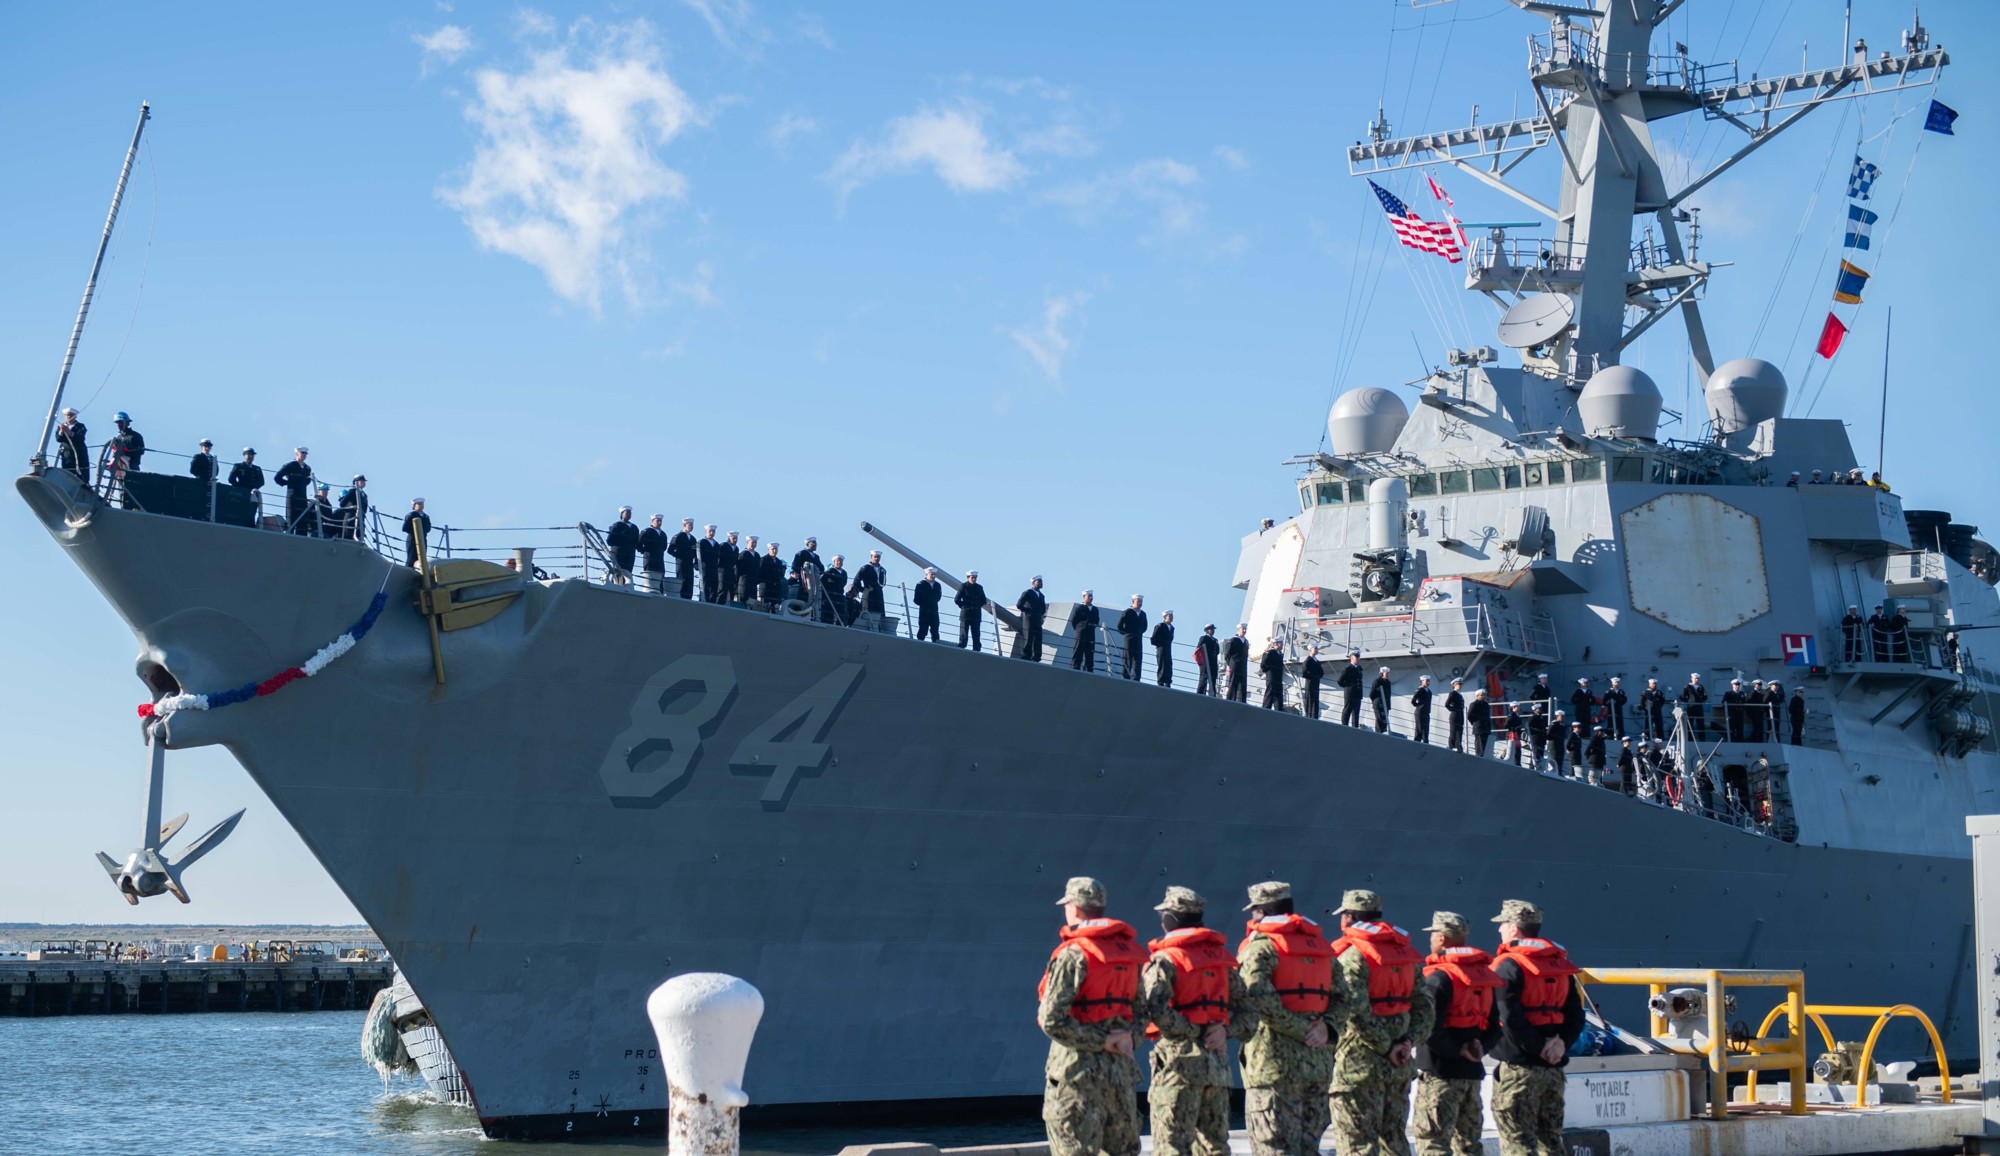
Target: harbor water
[[253, 1083]]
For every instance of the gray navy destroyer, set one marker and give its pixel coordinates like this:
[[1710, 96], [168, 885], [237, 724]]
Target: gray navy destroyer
[[547, 794]]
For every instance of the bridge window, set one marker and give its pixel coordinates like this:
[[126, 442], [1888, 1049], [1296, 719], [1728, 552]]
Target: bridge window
[[1423, 485], [1453, 482], [1511, 476], [1327, 494], [1357, 491], [1586, 470], [1555, 473], [1485, 478], [1628, 469]]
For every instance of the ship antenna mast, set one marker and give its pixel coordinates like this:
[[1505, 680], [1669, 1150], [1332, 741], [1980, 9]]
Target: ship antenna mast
[[1598, 89], [40, 458]]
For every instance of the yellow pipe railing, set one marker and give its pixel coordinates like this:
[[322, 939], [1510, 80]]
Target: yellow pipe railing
[[1786, 1052], [1867, 1063]]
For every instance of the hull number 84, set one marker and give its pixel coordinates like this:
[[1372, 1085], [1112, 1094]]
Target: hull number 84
[[685, 704]]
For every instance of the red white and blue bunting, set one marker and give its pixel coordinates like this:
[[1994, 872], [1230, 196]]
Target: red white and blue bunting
[[249, 690]]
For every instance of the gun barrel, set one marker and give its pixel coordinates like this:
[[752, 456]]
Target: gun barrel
[[1003, 613]]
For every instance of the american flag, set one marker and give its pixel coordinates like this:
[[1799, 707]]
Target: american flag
[[1430, 236]]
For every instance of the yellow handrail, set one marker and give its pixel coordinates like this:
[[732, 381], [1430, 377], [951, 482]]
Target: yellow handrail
[[1866, 1066]]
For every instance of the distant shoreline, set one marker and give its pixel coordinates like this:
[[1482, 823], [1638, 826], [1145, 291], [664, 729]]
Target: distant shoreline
[[16, 936]]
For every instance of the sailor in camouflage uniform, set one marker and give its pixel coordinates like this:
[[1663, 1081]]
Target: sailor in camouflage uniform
[[1090, 1100], [1193, 999], [1290, 986], [1540, 1014], [1387, 1011], [1450, 1064]]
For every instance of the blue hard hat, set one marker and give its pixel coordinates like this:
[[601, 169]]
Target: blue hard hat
[[121, 415]]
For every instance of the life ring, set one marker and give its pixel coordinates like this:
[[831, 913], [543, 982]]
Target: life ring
[[798, 608]]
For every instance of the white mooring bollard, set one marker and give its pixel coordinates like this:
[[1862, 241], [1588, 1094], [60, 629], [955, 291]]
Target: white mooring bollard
[[705, 1022]]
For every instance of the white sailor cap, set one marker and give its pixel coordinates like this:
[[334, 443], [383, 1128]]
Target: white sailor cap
[[300, 450], [1423, 678], [624, 509], [1378, 670], [1583, 682], [417, 501], [710, 526], [972, 573], [1541, 678], [1036, 578], [70, 410]]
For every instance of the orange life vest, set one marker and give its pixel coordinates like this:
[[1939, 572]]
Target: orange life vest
[[1472, 985], [1392, 964], [1304, 978], [1112, 959], [1202, 964], [1545, 982]]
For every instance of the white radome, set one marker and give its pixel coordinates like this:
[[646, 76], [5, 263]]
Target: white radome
[[1620, 401], [1744, 392], [1366, 421]]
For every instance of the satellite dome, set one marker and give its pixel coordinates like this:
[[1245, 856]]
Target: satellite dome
[[1366, 421], [1744, 392], [1620, 401]]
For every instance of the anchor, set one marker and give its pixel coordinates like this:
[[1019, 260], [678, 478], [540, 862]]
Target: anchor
[[148, 871]]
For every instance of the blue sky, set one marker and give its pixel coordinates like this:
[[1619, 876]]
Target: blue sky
[[1041, 288]]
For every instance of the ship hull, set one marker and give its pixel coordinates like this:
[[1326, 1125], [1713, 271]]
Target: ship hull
[[556, 829]]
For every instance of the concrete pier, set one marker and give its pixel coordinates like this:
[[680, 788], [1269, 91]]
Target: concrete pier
[[98, 987]]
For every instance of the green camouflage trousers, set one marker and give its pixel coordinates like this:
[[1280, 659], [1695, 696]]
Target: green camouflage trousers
[[1447, 1120], [1089, 1116], [1368, 1118], [1286, 1120], [1189, 1119], [1528, 1107]]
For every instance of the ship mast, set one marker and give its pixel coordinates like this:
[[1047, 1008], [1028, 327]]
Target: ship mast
[[40, 458], [1599, 87]]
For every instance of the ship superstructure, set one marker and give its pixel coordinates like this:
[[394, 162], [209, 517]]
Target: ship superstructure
[[546, 794]]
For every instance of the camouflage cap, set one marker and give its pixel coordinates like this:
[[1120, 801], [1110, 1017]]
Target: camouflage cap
[[1449, 922], [1182, 901], [1518, 911], [1271, 892], [1083, 891], [1359, 900]]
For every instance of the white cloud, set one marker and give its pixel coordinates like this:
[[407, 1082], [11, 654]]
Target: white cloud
[[792, 124], [1163, 185], [696, 287], [1064, 138], [809, 26], [1234, 158], [950, 141], [445, 46], [1051, 342], [734, 23], [566, 154]]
